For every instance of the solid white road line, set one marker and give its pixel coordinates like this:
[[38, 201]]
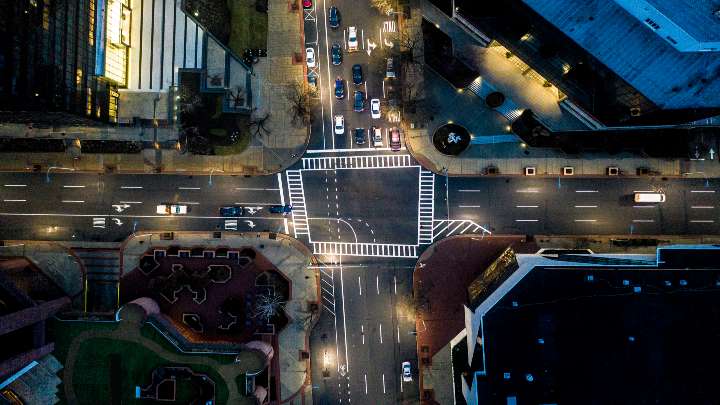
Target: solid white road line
[[359, 285], [73, 186], [395, 284], [643, 220], [527, 220], [189, 202], [188, 188], [377, 284], [702, 221], [528, 190], [258, 189], [131, 202], [362, 333], [469, 191], [73, 201], [15, 185], [365, 384], [643, 206], [130, 187], [702, 207], [46, 214], [586, 220], [526, 206], [381, 334], [383, 378], [468, 206], [342, 295], [586, 206], [586, 191], [702, 191], [398, 334], [401, 384], [14, 200]]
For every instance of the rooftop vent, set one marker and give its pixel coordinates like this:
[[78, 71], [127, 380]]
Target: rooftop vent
[[716, 13]]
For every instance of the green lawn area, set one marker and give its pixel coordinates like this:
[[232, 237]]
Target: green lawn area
[[92, 374], [248, 28], [236, 148]]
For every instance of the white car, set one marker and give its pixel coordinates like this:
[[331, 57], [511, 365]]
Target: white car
[[375, 108], [406, 371], [310, 57], [376, 137], [339, 125], [172, 209], [352, 39]]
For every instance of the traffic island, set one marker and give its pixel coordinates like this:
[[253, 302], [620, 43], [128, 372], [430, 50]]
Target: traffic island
[[451, 139]]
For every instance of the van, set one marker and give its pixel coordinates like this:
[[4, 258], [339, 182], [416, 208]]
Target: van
[[394, 139], [649, 197]]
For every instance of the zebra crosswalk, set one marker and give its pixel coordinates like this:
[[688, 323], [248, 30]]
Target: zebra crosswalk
[[426, 207], [358, 162], [443, 228], [365, 249], [297, 200]]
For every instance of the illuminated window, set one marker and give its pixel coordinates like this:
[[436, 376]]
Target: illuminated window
[[78, 77]]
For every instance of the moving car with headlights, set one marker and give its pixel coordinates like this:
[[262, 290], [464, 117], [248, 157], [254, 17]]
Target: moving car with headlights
[[339, 88], [375, 108], [339, 125], [231, 211], [336, 54], [172, 209], [352, 39], [310, 57]]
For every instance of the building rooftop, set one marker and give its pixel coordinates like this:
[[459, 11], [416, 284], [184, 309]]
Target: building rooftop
[[696, 17], [669, 78], [565, 336]]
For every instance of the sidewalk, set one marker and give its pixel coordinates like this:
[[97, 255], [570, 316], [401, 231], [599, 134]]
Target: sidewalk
[[291, 257]]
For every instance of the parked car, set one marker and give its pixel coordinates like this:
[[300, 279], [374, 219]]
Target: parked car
[[359, 136], [312, 79], [339, 88], [280, 209], [231, 211], [339, 125], [352, 39], [394, 139], [359, 103], [172, 209], [375, 108], [336, 53], [376, 136], [333, 17], [357, 74], [390, 68], [310, 57], [406, 371], [307, 3]]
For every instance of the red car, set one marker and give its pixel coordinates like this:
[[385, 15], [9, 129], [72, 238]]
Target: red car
[[307, 3]]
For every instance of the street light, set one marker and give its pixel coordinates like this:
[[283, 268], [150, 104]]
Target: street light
[[211, 173], [47, 176]]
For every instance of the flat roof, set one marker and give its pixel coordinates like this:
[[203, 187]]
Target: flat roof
[[694, 16], [603, 335], [669, 78]]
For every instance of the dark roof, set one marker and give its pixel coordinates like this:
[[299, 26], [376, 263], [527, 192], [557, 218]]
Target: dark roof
[[669, 78], [694, 16], [594, 335]]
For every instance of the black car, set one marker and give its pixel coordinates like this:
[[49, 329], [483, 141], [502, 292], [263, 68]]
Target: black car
[[334, 17], [231, 211], [359, 105], [360, 136], [312, 79], [357, 74], [336, 53], [339, 88]]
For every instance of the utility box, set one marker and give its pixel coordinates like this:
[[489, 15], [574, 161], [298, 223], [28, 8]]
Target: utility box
[[612, 171], [530, 171], [568, 171]]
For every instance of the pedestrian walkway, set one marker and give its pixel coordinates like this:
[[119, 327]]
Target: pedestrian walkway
[[358, 162], [444, 228], [364, 249], [426, 207], [297, 200]]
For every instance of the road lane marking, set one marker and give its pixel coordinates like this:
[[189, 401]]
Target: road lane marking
[[342, 296], [71, 186], [528, 190], [383, 378], [130, 187], [468, 206], [702, 207], [44, 214], [643, 206], [586, 206], [73, 201], [99, 222], [470, 191], [586, 220], [526, 206], [398, 334], [14, 200], [527, 220], [362, 333], [702, 221], [258, 189], [381, 334], [359, 285], [377, 284], [702, 191], [15, 185], [586, 191], [131, 202], [643, 220], [188, 188], [395, 284], [365, 384], [401, 383], [189, 202]]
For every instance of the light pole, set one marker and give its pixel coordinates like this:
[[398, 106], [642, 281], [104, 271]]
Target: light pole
[[47, 175], [211, 173]]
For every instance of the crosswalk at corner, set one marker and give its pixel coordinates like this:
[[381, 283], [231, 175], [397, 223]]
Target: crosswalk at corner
[[365, 249], [426, 207], [99, 222]]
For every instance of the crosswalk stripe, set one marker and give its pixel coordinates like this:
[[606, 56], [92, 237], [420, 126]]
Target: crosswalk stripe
[[297, 199], [357, 162], [426, 206], [365, 249]]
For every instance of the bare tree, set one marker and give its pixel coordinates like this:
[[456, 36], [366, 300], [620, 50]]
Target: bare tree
[[257, 125], [383, 6], [411, 45], [415, 103], [237, 96], [268, 305], [303, 98]]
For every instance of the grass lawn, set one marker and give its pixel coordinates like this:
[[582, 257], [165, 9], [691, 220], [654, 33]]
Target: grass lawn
[[92, 374], [249, 29], [236, 148], [152, 334]]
